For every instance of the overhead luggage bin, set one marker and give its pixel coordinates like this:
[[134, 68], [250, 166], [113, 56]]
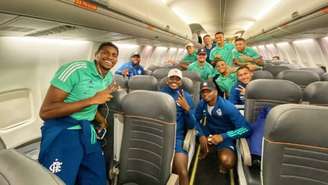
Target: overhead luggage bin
[[120, 17]]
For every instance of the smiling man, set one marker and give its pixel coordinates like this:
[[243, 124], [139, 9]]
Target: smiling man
[[69, 147], [237, 95], [224, 125], [185, 120], [203, 68]]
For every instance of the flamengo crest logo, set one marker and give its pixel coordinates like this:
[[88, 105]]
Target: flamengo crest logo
[[55, 167]]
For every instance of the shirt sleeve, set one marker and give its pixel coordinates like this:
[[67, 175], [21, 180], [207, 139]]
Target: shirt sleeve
[[212, 72], [212, 54], [253, 53], [66, 76], [234, 95], [199, 115], [242, 127], [119, 71]]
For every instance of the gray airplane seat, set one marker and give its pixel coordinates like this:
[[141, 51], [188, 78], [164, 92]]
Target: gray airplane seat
[[113, 113], [317, 70], [152, 68], [316, 93], [295, 148], [161, 73], [147, 72], [324, 77], [260, 93], [142, 82], [121, 81], [17, 169], [148, 139], [275, 69], [300, 77], [262, 74], [196, 84]]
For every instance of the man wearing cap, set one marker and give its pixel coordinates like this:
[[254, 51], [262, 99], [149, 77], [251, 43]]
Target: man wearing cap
[[131, 68], [224, 124], [190, 57], [185, 120], [246, 56], [222, 50], [204, 69]]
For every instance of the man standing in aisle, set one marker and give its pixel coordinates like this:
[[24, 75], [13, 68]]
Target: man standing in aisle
[[222, 50], [69, 147]]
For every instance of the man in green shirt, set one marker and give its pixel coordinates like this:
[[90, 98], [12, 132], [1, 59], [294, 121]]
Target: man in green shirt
[[204, 69], [243, 55], [222, 50], [69, 147], [190, 57], [225, 78]]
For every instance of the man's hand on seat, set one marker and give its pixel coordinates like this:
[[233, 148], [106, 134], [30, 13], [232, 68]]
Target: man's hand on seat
[[203, 147]]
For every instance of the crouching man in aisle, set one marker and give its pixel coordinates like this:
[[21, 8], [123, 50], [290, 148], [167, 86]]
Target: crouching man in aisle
[[224, 124], [185, 120], [69, 147]]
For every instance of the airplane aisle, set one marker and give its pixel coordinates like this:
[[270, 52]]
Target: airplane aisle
[[207, 172]]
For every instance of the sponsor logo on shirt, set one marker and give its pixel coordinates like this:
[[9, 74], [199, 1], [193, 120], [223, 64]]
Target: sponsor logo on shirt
[[56, 166]]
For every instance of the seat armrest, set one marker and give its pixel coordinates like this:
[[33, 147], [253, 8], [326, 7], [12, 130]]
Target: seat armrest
[[245, 152], [173, 180], [188, 139]]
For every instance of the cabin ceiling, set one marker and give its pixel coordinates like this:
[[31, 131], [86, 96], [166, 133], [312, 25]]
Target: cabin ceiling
[[231, 16]]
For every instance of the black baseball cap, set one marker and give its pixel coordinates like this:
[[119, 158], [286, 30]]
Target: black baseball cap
[[202, 50], [207, 86]]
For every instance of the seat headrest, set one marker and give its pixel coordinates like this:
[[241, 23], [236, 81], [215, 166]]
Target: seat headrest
[[324, 77], [262, 74], [280, 90], [142, 82], [148, 72], [274, 70], [316, 93], [317, 70], [191, 75], [161, 73], [187, 84], [116, 101], [121, 81], [298, 124], [300, 77], [15, 168], [150, 104]]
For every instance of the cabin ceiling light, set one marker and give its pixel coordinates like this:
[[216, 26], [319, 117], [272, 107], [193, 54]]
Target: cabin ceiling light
[[248, 25], [271, 4], [302, 41], [282, 43], [183, 17], [126, 45], [161, 48]]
